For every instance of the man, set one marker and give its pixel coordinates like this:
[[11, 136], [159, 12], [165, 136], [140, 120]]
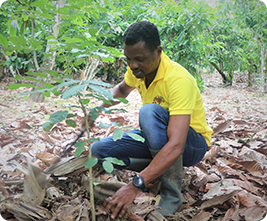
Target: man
[[172, 121]]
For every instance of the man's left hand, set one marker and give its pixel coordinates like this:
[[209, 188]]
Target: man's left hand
[[121, 200]]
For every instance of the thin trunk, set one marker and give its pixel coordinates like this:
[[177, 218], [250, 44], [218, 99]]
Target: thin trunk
[[34, 52], [225, 79], [250, 71], [11, 68], [263, 58], [49, 62]]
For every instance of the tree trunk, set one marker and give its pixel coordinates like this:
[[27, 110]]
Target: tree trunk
[[250, 71], [49, 62], [263, 69], [4, 56], [225, 79]]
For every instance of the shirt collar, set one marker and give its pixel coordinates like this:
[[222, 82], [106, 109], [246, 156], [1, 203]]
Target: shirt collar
[[160, 72]]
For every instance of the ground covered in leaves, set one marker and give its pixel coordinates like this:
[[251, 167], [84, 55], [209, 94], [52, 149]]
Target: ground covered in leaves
[[36, 183]]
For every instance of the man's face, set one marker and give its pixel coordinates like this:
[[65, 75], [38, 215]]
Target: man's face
[[142, 61]]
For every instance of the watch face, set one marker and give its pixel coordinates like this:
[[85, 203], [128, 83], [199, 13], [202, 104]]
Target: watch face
[[138, 181]]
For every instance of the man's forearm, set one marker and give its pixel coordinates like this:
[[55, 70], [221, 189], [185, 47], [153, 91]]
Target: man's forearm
[[118, 92]]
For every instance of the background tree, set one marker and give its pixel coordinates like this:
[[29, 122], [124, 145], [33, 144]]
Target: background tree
[[228, 37]]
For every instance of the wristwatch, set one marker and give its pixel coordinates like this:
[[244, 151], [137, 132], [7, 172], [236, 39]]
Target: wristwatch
[[138, 182]]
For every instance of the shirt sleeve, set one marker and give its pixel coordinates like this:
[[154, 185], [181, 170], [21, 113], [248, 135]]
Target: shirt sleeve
[[182, 96], [129, 78]]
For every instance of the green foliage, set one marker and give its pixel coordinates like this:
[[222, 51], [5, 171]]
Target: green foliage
[[90, 162], [192, 33], [83, 90], [80, 148], [26, 29]]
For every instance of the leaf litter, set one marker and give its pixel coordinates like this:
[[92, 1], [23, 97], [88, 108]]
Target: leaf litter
[[230, 183]]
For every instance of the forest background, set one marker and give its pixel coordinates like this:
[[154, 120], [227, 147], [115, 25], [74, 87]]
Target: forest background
[[222, 36], [57, 47]]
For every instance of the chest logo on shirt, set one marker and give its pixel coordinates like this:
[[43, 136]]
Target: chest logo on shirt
[[158, 100]]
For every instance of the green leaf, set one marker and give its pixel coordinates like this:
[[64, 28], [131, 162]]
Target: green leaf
[[99, 83], [91, 162], [72, 115], [103, 125], [58, 116], [94, 139], [36, 44], [58, 80], [102, 91], [80, 148], [48, 85], [68, 82], [18, 77], [18, 41], [3, 41], [16, 86], [31, 79], [116, 124], [73, 91], [46, 93], [47, 126], [136, 137], [93, 113], [79, 151], [53, 73], [115, 161], [36, 74], [117, 134], [80, 143], [123, 100], [71, 123], [85, 101], [108, 166]]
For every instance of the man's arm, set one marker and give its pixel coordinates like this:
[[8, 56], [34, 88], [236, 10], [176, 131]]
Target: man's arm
[[177, 133], [120, 90]]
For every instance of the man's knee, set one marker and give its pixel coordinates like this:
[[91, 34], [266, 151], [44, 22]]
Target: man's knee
[[96, 149], [147, 109]]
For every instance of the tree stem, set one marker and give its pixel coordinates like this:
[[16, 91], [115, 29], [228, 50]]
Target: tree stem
[[91, 184]]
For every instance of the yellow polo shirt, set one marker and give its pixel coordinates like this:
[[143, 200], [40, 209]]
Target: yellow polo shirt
[[176, 90]]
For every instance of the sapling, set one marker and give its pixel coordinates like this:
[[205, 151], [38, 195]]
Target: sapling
[[97, 90]]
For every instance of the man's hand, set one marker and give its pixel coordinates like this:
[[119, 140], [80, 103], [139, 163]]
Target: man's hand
[[121, 200]]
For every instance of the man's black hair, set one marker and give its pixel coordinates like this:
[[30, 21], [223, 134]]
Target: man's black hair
[[142, 31]]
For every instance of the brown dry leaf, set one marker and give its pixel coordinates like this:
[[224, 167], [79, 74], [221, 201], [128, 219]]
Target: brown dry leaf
[[246, 185], [48, 158], [3, 190], [203, 216], [249, 214], [252, 167], [66, 213], [222, 126], [263, 132], [132, 216], [83, 76], [45, 137], [219, 200], [247, 153], [229, 172], [119, 119], [246, 199], [212, 152], [223, 187], [218, 109]]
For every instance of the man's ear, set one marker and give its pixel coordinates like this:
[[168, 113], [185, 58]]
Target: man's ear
[[159, 50]]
